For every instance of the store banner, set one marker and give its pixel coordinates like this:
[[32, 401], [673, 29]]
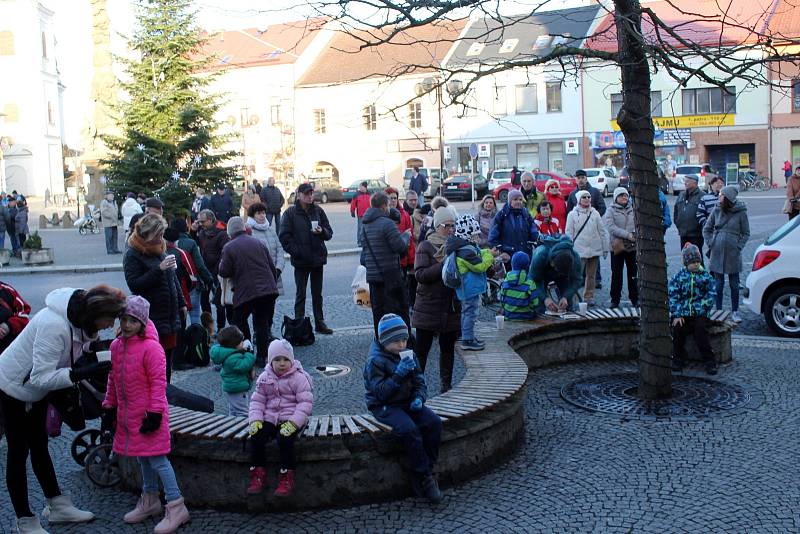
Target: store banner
[[687, 121]]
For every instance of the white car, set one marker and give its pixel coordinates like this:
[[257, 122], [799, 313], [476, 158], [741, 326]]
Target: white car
[[773, 286], [701, 170], [603, 179], [500, 177]]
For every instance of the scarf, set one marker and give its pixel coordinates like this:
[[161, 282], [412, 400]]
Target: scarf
[[261, 227], [438, 241], [136, 242]]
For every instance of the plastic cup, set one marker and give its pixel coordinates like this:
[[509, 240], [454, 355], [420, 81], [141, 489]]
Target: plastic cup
[[406, 354], [314, 225], [104, 356], [583, 307], [500, 320]]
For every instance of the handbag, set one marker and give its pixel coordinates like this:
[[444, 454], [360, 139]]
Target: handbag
[[67, 401], [225, 291], [617, 245], [297, 332], [360, 288]]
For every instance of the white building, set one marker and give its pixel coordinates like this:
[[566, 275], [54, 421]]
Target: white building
[[30, 129]]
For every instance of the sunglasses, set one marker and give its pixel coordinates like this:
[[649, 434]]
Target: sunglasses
[[448, 225]]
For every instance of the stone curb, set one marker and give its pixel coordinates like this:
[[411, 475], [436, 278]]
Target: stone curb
[[112, 267]]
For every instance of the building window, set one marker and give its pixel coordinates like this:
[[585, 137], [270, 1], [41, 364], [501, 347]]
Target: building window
[[796, 96], [655, 104], [319, 121], [527, 101], [553, 97], [616, 104], [555, 156], [370, 118], [709, 100], [275, 114], [500, 156], [51, 118], [44, 45], [6, 43], [415, 115], [500, 105], [528, 157]]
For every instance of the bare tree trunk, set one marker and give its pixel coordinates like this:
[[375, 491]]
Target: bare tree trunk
[[655, 376]]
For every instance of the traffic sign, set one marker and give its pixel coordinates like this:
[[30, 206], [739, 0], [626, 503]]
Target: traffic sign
[[473, 150]]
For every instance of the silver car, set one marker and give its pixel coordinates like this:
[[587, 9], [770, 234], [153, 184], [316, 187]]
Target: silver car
[[703, 170]]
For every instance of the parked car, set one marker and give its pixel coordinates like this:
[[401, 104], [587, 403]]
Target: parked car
[[773, 286], [434, 179], [566, 183], [458, 187], [373, 186], [703, 170], [625, 179], [325, 190], [500, 177], [603, 179]]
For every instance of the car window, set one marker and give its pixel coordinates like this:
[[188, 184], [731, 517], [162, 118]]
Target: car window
[[592, 173], [688, 169], [501, 175], [783, 231]]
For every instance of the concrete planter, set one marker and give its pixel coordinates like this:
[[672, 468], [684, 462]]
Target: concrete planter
[[5, 256], [37, 256]]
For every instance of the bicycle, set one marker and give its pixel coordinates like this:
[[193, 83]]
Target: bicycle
[[494, 279], [752, 179]]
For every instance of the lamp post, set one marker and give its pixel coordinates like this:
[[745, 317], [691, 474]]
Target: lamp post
[[428, 85]]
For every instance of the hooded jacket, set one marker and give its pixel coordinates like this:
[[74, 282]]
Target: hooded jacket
[[542, 273], [691, 294], [129, 208], [472, 264], [512, 230], [267, 235], [533, 199], [485, 220], [726, 233], [593, 239], [246, 261], [519, 296], [288, 397], [384, 387], [306, 249], [684, 214], [39, 359], [384, 245], [236, 365], [137, 384]]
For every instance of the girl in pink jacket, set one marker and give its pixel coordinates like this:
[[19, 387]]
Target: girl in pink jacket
[[280, 405], [137, 392]]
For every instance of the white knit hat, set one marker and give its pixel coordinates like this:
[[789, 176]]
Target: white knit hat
[[620, 191]]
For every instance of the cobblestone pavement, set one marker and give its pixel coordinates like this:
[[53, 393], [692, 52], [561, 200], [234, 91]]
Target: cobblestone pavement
[[576, 471]]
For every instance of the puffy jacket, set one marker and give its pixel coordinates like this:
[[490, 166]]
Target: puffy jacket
[[288, 397], [436, 307], [667, 219], [384, 245], [407, 224], [384, 387], [21, 221], [272, 198], [39, 359], [211, 244], [559, 209], [222, 206], [593, 240], [548, 227], [472, 264], [691, 294], [14, 312], [190, 246], [245, 260], [109, 214], [266, 234], [620, 223], [236, 366], [684, 214], [129, 208], [726, 233], [360, 204], [160, 288], [512, 230], [707, 203], [137, 384], [520, 298], [306, 249], [543, 273]]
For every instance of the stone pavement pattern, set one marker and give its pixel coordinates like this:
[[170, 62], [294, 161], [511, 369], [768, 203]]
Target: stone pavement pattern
[[576, 471]]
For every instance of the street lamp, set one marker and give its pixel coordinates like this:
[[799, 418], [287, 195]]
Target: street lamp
[[453, 87]]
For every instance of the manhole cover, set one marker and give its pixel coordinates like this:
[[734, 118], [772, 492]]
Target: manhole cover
[[692, 396], [332, 371]]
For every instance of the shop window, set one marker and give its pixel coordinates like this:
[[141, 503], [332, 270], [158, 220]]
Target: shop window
[[6, 43], [709, 100], [527, 100], [655, 104], [370, 118], [796, 96], [500, 156], [555, 156], [500, 105], [319, 121], [553, 96], [528, 156], [415, 115]]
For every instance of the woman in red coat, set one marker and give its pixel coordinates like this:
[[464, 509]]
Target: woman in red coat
[[553, 194]]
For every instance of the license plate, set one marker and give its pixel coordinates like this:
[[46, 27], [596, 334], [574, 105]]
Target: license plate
[[452, 187]]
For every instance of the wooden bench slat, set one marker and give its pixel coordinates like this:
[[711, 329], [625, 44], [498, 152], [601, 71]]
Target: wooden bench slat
[[371, 418], [458, 404], [244, 433], [323, 425], [351, 426], [223, 425], [336, 425], [181, 417], [313, 423], [236, 429], [372, 429], [200, 417], [444, 411], [201, 424]]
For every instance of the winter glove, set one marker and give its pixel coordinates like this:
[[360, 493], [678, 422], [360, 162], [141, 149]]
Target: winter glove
[[93, 370], [255, 426], [416, 404], [108, 419], [150, 423], [246, 345], [406, 366], [288, 428]]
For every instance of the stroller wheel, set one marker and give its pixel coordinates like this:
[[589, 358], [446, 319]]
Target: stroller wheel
[[102, 466], [83, 443]]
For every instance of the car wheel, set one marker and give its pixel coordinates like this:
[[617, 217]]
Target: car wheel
[[324, 198], [782, 311], [503, 196]]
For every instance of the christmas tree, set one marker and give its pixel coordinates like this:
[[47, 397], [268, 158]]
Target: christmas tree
[[170, 144]]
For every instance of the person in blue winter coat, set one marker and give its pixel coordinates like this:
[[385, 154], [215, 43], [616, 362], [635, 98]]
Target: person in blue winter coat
[[513, 228], [396, 393], [662, 198], [556, 261]]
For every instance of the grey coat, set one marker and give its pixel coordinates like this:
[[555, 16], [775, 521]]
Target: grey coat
[[109, 213], [726, 233], [620, 223]]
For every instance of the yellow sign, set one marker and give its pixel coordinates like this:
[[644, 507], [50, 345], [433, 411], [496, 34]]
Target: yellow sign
[[744, 159], [687, 121]]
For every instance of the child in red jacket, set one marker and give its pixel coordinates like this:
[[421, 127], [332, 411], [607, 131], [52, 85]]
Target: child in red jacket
[[548, 225]]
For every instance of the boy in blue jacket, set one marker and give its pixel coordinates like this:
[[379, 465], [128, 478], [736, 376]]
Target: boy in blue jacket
[[472, 263], [396, 395]]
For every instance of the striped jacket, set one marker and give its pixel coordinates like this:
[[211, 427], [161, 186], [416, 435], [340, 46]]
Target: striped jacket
[[519, 296], [707, 204]]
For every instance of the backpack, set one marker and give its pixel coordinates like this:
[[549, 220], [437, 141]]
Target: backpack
[[196, 346], [450, 275], [297, 332]]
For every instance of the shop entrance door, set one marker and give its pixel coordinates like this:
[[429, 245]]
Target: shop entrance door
[[743, 155]]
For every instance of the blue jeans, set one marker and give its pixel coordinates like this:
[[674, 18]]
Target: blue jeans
[[469, 314], [194, 313], [158, 467], [420, 433], [358, 231], [733, 282], [112, 244], [3, 240]]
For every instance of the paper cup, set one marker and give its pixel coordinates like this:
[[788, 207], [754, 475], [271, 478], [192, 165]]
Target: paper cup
[[314, 225], [583, 307], [104, 356], [500, 320], [407, 354]]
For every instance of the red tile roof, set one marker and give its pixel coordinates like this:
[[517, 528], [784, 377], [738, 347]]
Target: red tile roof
[[785, 21], [415, 50], [279, 44], [703, 22]]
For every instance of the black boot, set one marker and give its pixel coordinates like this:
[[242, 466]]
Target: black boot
[[322, 328], [711, 367], [430, 489]]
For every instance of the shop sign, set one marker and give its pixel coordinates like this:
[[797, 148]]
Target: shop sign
[[483, 150], [571, 146], [688, 121], [677, 137]]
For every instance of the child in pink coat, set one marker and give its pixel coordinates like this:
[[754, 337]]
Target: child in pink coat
[[137, 392], [280, 405]]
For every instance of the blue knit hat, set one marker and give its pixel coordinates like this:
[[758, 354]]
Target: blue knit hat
[[520, 261], [391, 328]]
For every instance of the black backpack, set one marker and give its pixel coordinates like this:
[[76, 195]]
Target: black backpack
[[196, 343], [298, 332]]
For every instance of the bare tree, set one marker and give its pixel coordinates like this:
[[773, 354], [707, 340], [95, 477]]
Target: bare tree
[[715, 41]]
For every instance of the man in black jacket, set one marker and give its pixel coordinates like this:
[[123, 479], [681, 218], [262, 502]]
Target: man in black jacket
[[272, 198], [222, 204], [304, 229], [684, 214], [383, 246]]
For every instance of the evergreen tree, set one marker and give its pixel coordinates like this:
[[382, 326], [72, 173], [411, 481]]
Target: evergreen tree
[[170, 144]]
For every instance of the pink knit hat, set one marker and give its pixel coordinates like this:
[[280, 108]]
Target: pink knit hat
[[280, 347], [138, 308]]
